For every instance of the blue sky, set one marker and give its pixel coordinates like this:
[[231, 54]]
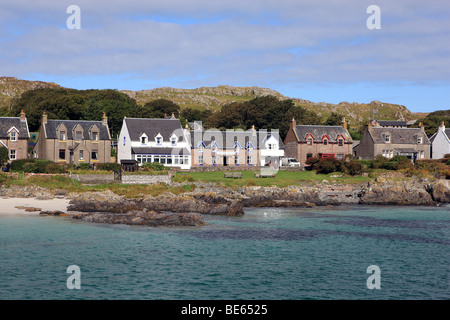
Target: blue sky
[[315, 50]]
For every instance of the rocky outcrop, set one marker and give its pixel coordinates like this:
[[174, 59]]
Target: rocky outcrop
[[202, 204], [143, 218]]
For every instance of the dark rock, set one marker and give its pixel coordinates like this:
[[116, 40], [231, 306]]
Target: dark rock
[[54, 213]]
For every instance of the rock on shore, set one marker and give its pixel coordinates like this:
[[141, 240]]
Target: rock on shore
[[143, 218]]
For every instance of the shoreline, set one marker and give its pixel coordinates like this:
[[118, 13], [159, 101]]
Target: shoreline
[[8, 205]]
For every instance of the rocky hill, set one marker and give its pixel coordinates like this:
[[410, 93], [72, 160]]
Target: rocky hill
[[11, 88], [213, 98]]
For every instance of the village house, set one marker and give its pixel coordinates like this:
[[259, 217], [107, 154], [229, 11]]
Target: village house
[[391, 141], [74, 141], [235, 147], [440, 142], [154, 140], [303, 142], [14, 136]]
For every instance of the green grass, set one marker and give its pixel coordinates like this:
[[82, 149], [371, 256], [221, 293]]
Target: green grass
[[281, 179]]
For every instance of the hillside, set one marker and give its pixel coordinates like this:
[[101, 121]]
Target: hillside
[[213, 98], [11, 88]]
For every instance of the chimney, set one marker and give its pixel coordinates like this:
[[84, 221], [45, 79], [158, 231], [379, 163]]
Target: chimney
[[22, 116], [421, 126], [253, 129], [442, 126], [293, 123], [44, 117], [105, 119], [344, 123], [173, 115], [369, 125]]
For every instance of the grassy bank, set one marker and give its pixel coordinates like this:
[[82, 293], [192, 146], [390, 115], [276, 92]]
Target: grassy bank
[[281, 179]]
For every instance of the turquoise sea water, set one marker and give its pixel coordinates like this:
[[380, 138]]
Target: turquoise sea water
[[269, 253]]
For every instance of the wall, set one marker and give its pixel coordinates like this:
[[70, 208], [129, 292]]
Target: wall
[[145, 179], [93, 178]]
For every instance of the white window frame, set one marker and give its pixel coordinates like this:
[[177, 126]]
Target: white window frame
[[12, 154], [13, 136]]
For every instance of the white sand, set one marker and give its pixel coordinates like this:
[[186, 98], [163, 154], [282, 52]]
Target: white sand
[[8, 205]]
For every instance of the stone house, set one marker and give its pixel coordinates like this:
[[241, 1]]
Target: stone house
[[440, 142], [154, 140], [14, 136], [303, 142], [235, 147], [391, 141], [74, 141]]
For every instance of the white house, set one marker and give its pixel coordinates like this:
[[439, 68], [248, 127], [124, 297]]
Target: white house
[[440, 142], [154, 140]]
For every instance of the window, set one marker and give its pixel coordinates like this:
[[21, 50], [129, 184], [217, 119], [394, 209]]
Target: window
[[94, 136], [249, 160], [236, 160], [214, 160], [94, 155], [62, 136], [158, 140], [421, 154], [272, 146], [325, 141], [78, 135], [62, 154], [200, 147], [13, 136], [144, 140], [124, 140], [309, 155], [341, 142], [419, 140], [173, 141], [387, 138], [340, 156], [81, 155], [12, 154], [200, 159], [309, 141]]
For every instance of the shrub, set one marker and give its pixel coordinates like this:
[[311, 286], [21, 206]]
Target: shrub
[[354, 168], [327, 165], [36, 166], [153, 166], [311, 162], [113, 166]]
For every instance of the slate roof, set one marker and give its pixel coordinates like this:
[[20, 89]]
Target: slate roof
[[7, 123], [398, 135], [318, 132], [392, 123], [51, 129], [151, 127], [447, 133], [228, 139]]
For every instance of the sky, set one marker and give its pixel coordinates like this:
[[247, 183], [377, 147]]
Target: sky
[[322, 50]]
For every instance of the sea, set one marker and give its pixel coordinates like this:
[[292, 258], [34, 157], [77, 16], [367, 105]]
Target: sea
[[321, 253]]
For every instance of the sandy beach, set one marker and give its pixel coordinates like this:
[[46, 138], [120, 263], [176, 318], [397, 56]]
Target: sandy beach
[[8, 205]]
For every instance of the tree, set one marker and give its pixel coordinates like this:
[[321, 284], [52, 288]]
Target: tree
[[335, 119], [159, 108], [4, 156]]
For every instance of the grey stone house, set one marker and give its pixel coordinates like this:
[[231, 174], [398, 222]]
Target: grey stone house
[[391, 141], [74, 141], [14, 136]]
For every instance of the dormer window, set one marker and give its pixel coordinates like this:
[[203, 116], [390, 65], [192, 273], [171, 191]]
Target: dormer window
[[387, 138], [200, 147], [173, 140], [78, 135], [272, 146], [62, 136], [158, 139], [419, 140], [94, 136], [309, 141], [143, 140], [341, 142], [325, 141], [13, 136]]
